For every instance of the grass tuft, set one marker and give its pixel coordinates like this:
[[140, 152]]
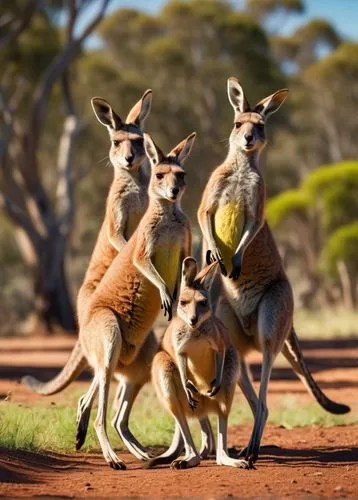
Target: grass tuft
[[51, 427]]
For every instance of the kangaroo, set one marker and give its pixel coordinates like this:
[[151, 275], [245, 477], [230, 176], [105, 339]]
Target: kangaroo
[[195, 373], [126, 203], [140, 280], [256, 301], [127, 198]]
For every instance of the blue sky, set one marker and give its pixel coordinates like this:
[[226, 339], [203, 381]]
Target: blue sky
[[343, 14]]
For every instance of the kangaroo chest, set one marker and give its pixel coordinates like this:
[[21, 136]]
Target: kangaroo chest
[[167, 254], [201, 363], [229, 220], [135, 205]]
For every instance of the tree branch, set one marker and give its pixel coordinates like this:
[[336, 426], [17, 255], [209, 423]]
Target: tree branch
[[58, 66], [21, 24], [19, 217]]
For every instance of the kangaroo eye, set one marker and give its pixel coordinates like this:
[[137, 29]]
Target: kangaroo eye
[[238, 125], [183, 302], [203, 302], [115, 143], [159, 176]]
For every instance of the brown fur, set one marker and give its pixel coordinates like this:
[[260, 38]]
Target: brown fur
[[195, 373], [125, 304], [127, 198], [256, 302]]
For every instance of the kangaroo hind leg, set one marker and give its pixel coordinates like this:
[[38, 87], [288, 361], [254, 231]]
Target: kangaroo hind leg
[[125, 403], [274, 323], [84, 412], [105, 341]]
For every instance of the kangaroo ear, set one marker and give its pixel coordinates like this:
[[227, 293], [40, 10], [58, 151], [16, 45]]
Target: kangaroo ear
[[105, 113], [188, 271], [182, 150], [205, 273], [236, 96], [152, 151], [140, 111], [271, 103]]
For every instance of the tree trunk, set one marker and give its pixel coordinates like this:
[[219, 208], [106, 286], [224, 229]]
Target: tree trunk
[[348, 289], [52, 305]]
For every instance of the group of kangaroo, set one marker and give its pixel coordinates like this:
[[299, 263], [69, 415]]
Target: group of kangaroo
[[241, 300]]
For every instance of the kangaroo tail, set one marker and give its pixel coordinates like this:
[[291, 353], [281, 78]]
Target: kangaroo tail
[[292, 352], [172, 452], [75, 365]]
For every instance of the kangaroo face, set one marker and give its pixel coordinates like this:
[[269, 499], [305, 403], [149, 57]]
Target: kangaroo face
[[193, 307], [168, 182], [168, 177], [127, 148], [248, 133]]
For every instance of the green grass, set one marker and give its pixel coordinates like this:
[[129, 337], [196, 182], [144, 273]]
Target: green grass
[[51, 427], [326, 323]]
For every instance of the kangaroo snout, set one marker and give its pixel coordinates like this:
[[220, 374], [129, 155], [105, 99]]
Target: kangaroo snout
[[248, 137], [129, 159], [193, 320]]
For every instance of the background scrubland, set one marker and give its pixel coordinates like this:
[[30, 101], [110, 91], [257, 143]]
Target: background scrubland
[[54, 167]]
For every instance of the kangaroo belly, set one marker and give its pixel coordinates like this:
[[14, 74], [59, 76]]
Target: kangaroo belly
[[201, 364], [228, 226], [138, 311], [166, 261]]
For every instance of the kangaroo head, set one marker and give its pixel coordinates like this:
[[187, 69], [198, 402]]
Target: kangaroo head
[[193, 305], [167, 179], [248, 134], [127, 149]]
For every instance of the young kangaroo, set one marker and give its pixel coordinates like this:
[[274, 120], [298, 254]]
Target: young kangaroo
[[195, 373], [256, 302], [141, 279]]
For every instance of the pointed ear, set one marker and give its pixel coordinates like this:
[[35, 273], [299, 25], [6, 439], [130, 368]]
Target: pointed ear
[[206, 272], [236, 96], [152, 151], [182, 150], [271, 103], [189, 269], [141, 109], [105, 113]]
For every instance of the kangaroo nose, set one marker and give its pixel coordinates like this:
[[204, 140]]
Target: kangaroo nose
[[174, 191], [193, 321], [248, 137], [130, 159]]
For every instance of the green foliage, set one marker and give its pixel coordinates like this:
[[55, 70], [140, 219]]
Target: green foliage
[[289, 203], [341, 246], [335, 189], [264, 8]]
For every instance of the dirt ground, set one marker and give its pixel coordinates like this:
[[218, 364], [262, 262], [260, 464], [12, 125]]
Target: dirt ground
[[303, 462]]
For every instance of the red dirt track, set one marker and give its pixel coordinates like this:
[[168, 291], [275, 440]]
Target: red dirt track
[[304, 462]]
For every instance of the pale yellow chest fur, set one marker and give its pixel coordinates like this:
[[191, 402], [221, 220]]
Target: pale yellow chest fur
[[166, 262], [228, 226], [201, 363]]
